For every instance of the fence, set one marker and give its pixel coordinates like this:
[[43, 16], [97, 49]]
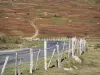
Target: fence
[[52, 48]]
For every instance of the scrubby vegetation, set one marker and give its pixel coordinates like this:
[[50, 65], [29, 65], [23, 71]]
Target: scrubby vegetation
[[16, 42]]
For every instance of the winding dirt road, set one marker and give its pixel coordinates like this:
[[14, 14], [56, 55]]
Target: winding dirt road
[[32, 23], [36, 30]]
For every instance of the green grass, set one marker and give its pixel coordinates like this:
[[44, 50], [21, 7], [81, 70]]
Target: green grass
[[59, 20], [90, 2], [39, 0], [4, 3]]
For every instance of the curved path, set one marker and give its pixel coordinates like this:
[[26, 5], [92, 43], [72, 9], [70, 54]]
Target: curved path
[[32, 23], [36, 29]]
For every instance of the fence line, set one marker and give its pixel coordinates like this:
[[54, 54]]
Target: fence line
[[4, 66], [16, 64], [73, 45], [58, 56], [45, 55], [51, 57], [31, 60], [37, 59]]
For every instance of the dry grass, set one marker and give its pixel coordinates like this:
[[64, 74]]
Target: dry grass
[[90, 65]]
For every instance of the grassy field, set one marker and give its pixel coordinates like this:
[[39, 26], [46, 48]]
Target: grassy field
[[90, 64]]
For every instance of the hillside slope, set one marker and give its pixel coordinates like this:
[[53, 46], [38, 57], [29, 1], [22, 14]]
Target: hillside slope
[[59, 17]]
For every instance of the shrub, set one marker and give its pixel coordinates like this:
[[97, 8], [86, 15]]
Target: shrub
[[9, 39]]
